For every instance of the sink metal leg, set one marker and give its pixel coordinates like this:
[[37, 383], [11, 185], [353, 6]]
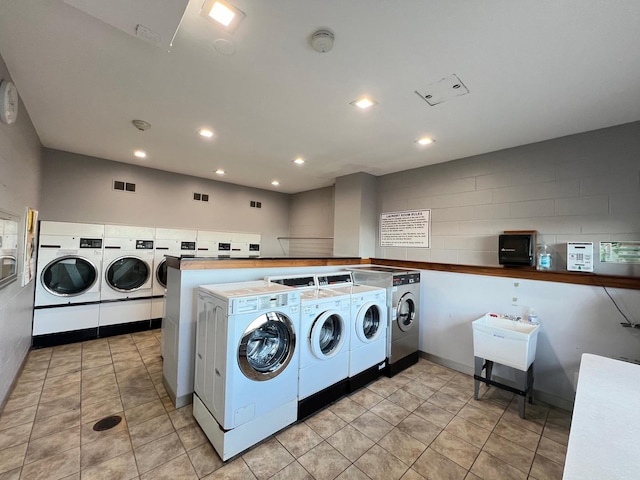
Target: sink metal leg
[[478, 366]]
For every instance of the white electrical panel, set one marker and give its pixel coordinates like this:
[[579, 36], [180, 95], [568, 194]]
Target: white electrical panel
[[580, 256]]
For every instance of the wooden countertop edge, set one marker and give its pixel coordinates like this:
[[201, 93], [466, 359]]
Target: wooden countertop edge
[[527, 273]]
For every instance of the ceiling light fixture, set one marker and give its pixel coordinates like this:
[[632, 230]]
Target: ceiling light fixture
[[364, 103], [140, 154], [223, 13], [425, 140], [220, 172], [275, 183], [299, 161], [205, 132]]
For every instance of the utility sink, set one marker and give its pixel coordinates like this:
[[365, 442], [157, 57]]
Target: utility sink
[[505, 341]]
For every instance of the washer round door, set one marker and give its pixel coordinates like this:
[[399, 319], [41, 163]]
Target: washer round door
[[127, 274], [406, 312], [369, 322], [267, 346], [69, 276], [327, 334], [161, 273]]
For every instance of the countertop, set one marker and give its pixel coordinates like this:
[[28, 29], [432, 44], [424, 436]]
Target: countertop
[[204, 263], [605, 428]]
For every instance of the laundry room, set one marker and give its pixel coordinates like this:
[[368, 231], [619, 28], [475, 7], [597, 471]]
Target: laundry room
[[164, 161]]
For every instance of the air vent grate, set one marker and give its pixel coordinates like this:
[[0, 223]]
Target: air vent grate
[[124, 186], [200, 197], [443, 90]]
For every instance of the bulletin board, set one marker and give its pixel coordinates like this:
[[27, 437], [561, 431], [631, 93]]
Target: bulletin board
[[408, 228]]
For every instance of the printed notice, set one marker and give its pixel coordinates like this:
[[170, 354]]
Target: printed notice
[[405, 229], [620, 252]]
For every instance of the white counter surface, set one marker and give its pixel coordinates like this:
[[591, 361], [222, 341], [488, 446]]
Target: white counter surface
[[604, 441]]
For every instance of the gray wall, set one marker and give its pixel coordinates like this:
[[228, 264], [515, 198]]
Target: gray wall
[[311, 217], [583, 187], [78, 188], [20, 152]]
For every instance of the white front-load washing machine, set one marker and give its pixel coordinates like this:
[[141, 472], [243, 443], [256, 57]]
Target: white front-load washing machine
[[125, 296], [246, 363], [172, 242], [67, 297], [368, 348], [324, 343]]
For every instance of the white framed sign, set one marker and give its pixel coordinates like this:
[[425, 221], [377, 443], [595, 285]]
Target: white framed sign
[[408, 228]]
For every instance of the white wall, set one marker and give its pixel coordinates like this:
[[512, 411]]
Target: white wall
[[20, 153], [78, 188], [311, 217], [584, 187]]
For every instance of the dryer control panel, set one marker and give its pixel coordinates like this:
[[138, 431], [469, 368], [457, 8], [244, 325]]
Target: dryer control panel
[[144, 244], [90, 243], [407, 279]]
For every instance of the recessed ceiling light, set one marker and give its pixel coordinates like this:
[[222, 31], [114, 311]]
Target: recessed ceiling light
[[299, 161], [364, 102], [223, 13], [220, 172], [140, 154], [425, 140], [275, 182], [205, 132]]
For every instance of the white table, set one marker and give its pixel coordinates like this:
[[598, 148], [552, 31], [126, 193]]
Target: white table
[[604, 441]]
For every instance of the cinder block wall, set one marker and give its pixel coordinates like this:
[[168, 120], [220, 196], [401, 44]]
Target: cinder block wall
[[583, 187]]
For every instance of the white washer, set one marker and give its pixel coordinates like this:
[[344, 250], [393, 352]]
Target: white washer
[[168, 241], [324, 343], [368, 348], [125, 297], [68, 276], [246, 364]]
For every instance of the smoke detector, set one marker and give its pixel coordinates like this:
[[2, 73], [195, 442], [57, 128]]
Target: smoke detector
[[322, 41], [141, 125]]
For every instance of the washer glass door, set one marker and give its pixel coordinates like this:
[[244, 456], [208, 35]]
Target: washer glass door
[[406, 309], [327, 335], [127, 274], [267, 346], [161, 273], [69, 276], [369, 325]]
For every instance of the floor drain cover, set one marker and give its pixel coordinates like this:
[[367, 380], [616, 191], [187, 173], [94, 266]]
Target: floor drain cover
[[107, 423]]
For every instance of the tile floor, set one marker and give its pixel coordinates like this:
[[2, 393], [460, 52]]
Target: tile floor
[[420, 424]]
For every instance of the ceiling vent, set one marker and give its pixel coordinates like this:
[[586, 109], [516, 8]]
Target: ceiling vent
[[443, 90]]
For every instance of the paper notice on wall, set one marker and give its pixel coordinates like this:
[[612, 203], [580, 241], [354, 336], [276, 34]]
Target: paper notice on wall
[[620, 252], [408, 228]]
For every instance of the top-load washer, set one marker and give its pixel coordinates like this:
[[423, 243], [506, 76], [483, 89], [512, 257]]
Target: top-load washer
[[246, 364], [68, 275], [127, 287], [403, 301], [325, 329], [172, 242]]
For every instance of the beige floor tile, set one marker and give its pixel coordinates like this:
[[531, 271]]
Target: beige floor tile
[[420, 390], [234, 470], [12, 457], [145, 432], [17, 417], [372, 426], [383, 386], [434, 383], [518, 435], [481, 418], [467, 431], [420, 429], [40, 354], [11, 474], [63, 365], [53, 468], [155, 367], [402, 445], [267, 459], [533, 425], [556, 433], [461, 393], [56, 407], [405, 399], [97, 395], [150, 354], [122, 347], [435, 466], [545, 469], [11, 437], [390, 412], [168, 404], [126, 356], [122, 467], [109, 445], [293, 471], [36, 365], [378, 464], [473, 476], [62, 391], [68, 349], [159, 451], [122, 365], [446, 402], [411, 474], [347, 409], [95, 372], [23, 388], [533, 412], [191, 436], [350, 442], [99, 382], [144, 412], [134, 396], [489, 406], [325, 423], [324, 462], [508, 452], [178, 468], [552, 450], [434, 414], [97, 411], [204, 459], [498, 396], [69, 378], [49, 425], [50, 445], [461, 452], [98, 360], [366, 398], [352, 473], [463, 380], [20, 402], [182, 417], [489, 467], [32, 375], [299, 439]]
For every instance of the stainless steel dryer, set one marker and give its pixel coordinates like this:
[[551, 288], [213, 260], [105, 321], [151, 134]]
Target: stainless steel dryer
[[403, 302]]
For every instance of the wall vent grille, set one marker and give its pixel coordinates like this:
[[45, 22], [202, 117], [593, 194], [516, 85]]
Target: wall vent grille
[[124, 186]]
